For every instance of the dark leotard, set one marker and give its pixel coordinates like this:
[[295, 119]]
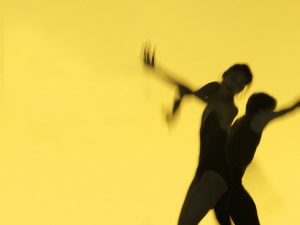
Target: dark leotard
[[209, 183], [242, 144], [237, 203], [212, 147]]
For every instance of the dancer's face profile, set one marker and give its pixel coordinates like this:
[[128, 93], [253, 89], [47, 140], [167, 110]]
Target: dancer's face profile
[[234, 82]]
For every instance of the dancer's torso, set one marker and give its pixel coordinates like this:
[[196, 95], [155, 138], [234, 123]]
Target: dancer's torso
[[242, 144], [215, 124]]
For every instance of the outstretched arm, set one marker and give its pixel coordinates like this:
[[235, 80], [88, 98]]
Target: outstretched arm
[[284, 111], [203, 93], [263, 118], [150, 63]]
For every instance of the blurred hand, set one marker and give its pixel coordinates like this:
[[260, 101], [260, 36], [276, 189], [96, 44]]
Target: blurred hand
[[149, 57], [168, 117]]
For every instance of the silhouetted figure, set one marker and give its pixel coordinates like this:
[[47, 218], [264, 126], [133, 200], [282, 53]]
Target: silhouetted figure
[[244, 137], [210, 181]]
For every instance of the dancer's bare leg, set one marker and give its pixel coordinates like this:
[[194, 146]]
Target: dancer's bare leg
[[202, 196]]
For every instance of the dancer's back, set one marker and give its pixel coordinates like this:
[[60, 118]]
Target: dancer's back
[[242, 144]]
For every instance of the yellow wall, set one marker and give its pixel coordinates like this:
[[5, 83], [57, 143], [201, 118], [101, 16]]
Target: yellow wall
[[83, 139]]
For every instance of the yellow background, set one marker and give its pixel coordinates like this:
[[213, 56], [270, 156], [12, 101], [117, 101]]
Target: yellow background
[[83, 139]]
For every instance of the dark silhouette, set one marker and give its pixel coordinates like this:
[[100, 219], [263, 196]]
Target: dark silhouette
[[212, 174], [244, 137]]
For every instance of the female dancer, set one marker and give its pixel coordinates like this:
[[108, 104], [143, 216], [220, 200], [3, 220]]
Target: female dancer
[[210, 181], [243, 140]]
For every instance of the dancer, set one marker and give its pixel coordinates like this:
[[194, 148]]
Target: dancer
[[210, 181], [243, 139]]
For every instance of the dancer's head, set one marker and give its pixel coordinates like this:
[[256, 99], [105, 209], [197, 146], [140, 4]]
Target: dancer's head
[[260, 101], [236, 78]]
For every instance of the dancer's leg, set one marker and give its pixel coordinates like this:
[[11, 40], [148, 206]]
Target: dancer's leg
[[202, 196], [243, 208], [222, 210]]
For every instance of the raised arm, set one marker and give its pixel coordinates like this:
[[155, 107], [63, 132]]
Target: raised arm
[[150, 62], [284, 111], [261, 120], [203, 93]]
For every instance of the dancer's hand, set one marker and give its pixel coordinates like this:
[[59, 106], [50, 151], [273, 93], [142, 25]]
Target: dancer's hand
[[169, 118], [149, 57]]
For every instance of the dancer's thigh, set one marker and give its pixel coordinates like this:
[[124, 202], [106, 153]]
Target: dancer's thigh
[[202, 196]]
